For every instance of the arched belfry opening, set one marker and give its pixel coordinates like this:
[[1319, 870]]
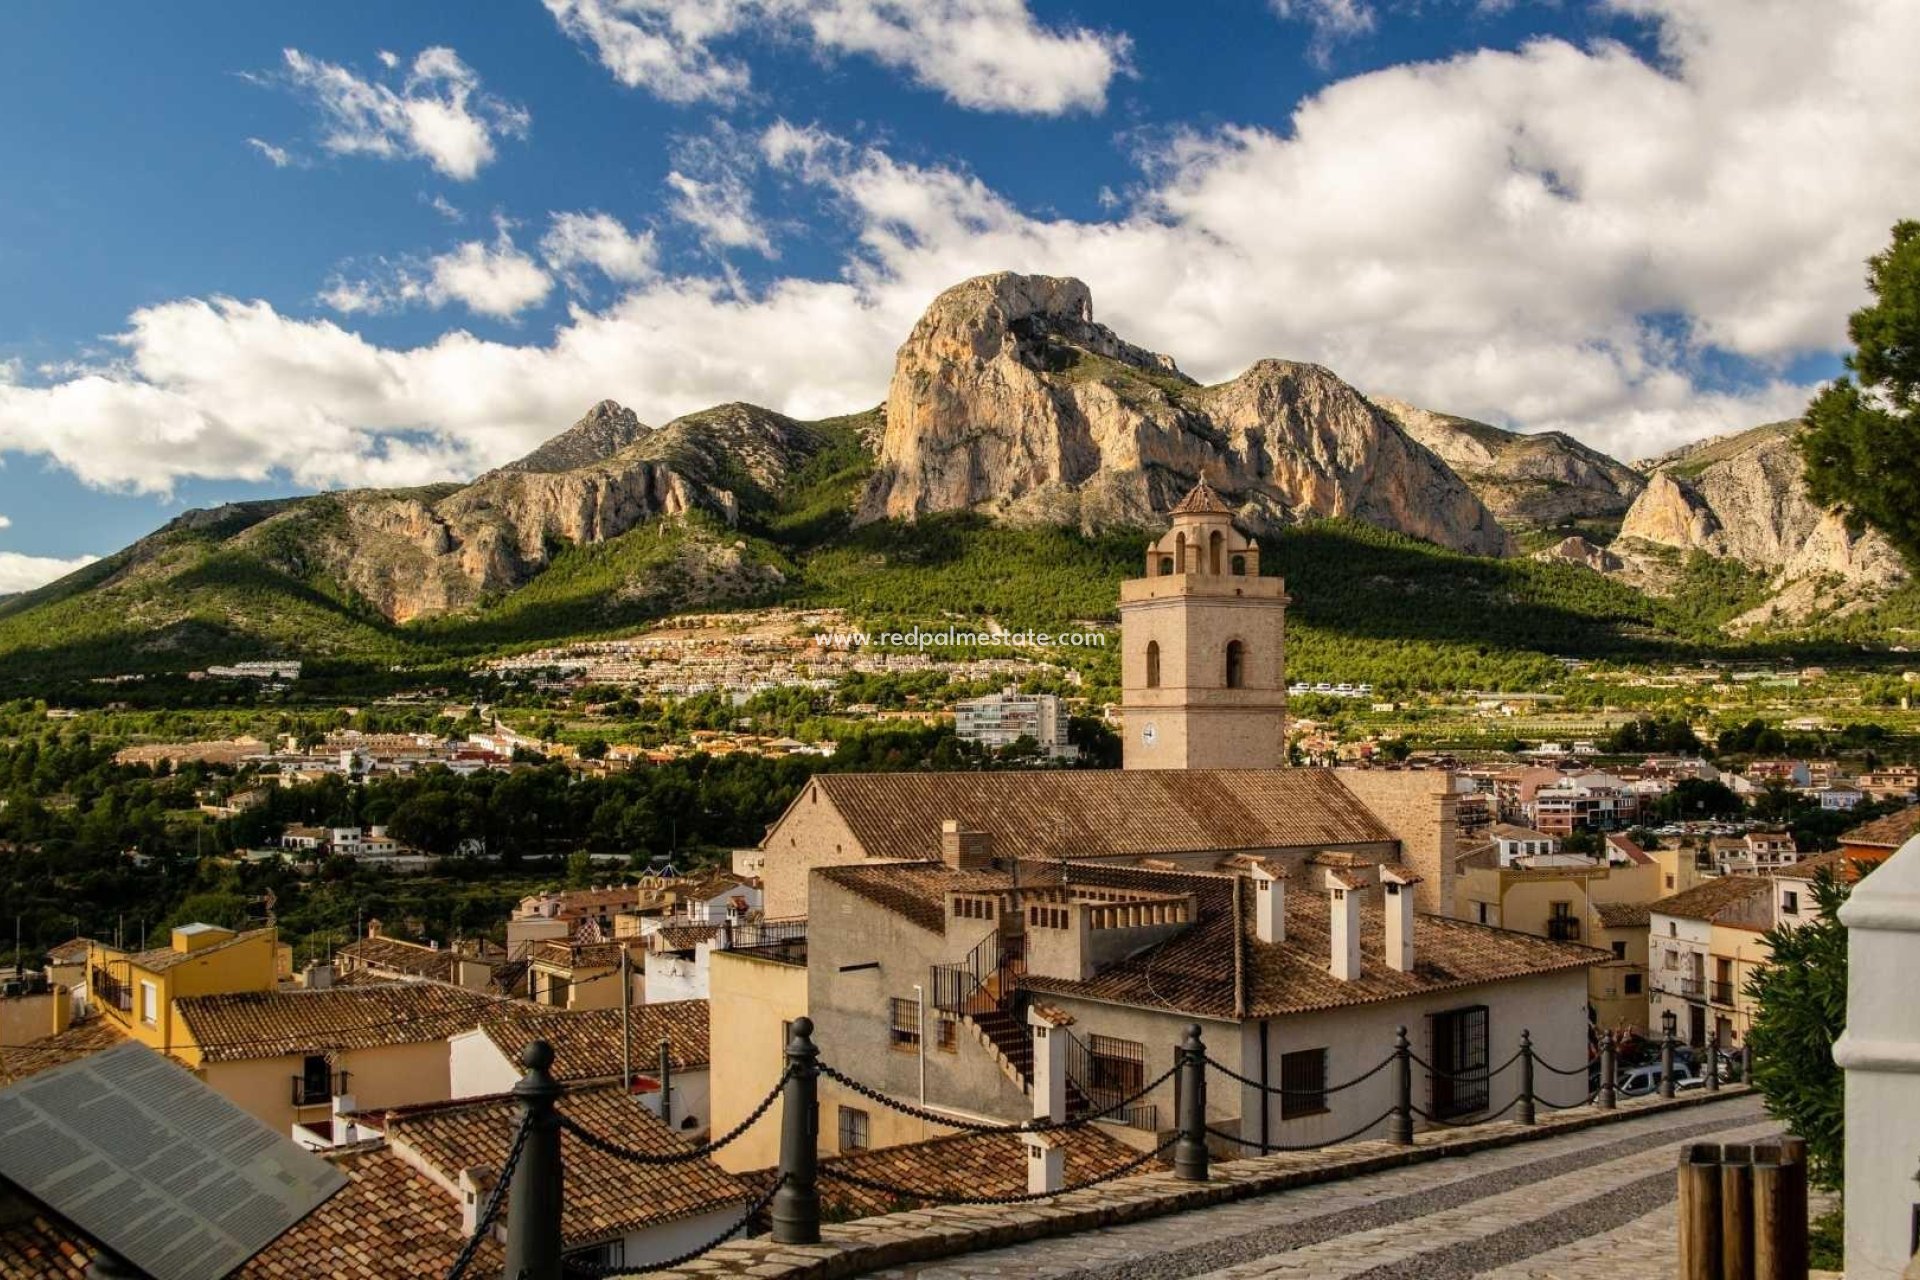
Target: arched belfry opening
[[1153, 664], [1215, 541], [1236, 664]]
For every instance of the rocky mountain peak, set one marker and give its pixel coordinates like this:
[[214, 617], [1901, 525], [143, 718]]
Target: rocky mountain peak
[[606, 429], [1009, 399]]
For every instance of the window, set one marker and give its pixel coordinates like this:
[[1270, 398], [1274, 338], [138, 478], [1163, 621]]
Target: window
[[1166, 565], [1632, 984], [1460, 1085], [1619, 951], [1153, 664], [904, 1033], [1236, 664], [1789, 903], [1239, 566], [149, 1003], [948, 1033], [1214, 544], [1483, 913], [786, 1036], [314, 1083], [1118, 1068], [557, 989], [1669, 882], [853, 1129], [1303, 1077]]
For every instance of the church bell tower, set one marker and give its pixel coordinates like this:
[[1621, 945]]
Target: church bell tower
[[1203, 667]]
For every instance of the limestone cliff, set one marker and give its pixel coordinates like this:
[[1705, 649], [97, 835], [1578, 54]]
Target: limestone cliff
[[1007, 398], [424, 552], [1539, 479], [1744, 497]]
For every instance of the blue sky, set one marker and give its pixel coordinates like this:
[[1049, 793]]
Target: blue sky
[[253, 250]]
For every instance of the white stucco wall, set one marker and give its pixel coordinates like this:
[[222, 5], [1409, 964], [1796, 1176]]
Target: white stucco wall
[[477, 1067], [1880, 1051], [673, 977]]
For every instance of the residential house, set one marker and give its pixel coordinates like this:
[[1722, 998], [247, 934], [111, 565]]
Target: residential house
[[946, 962], [615, 1212], [1876, 841], [587, 1050], [377, 956], [31, 1009], [1702, 946], [301, 1059], [563, 974], [1585, 801], [1755, 853], [140, 991], [1617, 989], [1898, 782], [1511, 841]]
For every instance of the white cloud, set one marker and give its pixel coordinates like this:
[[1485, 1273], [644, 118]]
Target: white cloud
[[5, 523], [436, 111], [720, 211], [1487, 235], [446, 208], [990, 55], [497, 279], [24, 573], [1330, 21], [598, 240], [278, 157]]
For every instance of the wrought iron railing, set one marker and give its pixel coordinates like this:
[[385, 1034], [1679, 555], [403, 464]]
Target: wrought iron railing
[[984, 979], [1107, 1083], [319, 1090], [1722, 993], [112, 991], [1564, 928]]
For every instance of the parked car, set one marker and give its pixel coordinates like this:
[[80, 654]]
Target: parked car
[[1641, 1081]]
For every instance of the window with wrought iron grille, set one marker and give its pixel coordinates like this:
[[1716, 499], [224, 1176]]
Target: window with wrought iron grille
[[1118, 1067], [1460, 1058], [853, 1129], [904, 1032], [1303, 1076]]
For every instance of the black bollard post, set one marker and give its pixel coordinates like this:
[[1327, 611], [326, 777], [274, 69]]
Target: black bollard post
[[1190, 1150], [533, 1198], [1666, 1064], [1527, 1112], [796, 1205], [1609, 1066], [1400, 1124]]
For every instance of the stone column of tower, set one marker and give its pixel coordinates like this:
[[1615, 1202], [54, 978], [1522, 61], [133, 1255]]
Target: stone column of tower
[[1203, 667]]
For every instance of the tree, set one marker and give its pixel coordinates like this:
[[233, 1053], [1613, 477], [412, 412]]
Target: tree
[[1801, 995], [1697, 799], [1862, 445]]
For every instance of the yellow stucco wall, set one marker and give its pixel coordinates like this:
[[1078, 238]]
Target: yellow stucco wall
[[749, 998], [386, 1076], [245, 964]]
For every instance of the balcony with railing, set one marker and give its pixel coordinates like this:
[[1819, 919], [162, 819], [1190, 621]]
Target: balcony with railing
[[319, 1089], [1564, 928], [1687, 988], [115, 993], [1722, 993]]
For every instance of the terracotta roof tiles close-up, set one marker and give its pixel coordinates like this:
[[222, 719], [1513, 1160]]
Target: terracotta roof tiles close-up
[[605, 1196], [1710, 898], [269, 1024], [78, 1041], [586, 1042], [1102, 812], [1888, 832]]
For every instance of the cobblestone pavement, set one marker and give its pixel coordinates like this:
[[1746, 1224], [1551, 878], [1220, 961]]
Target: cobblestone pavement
[[1591, 1205]]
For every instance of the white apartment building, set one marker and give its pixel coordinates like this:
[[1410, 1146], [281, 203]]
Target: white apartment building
[[1001, 719]]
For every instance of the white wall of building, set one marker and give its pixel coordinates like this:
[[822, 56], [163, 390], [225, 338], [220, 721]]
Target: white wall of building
[[1880, 1051], [477, 1066]]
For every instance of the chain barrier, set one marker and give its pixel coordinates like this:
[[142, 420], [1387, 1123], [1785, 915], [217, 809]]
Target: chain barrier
[[491, 1210], [827, 1171], [594, 1271], [1482, 1073], [1272, 1149], [1231, 1074], [607, 1146], [1544, 1065], [975, 1126], [1468, 1124], [1571, 1106]]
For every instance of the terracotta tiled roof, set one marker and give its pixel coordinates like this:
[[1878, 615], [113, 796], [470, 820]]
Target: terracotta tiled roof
[[1102, 812], [968, 1164], [1889, 832], [80, 1040], [1193, 971], [37, 1246], [1630, 849], [397, 956], [389, 1220], [684, 937], [1201, 500], [269, 1024], [586, 1042], [584, 955], [1844, 865], [605, 1196], [161, 959], [1621, 915], [1709, 898], [72, 951]]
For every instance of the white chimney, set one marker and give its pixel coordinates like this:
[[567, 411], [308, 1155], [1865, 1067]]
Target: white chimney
[[1397, 885], [1343, 910], [1046, 1165], [1269, 902], [475, 1185]]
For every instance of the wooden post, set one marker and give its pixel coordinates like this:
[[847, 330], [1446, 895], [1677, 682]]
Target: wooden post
[[1780, 1211], [1699, 1212], [1736, 1212]]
